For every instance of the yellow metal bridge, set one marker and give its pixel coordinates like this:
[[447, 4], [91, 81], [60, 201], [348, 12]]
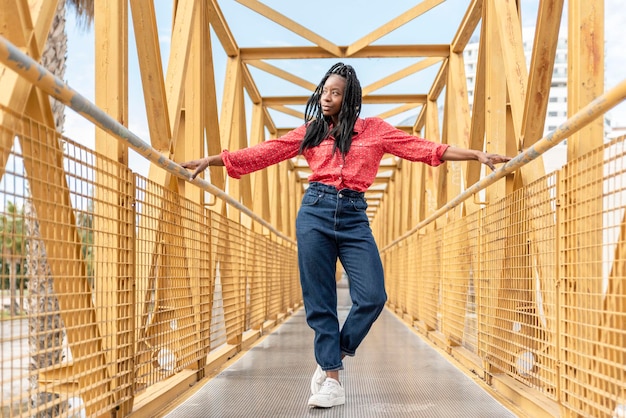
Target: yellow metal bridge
[[146, 294]]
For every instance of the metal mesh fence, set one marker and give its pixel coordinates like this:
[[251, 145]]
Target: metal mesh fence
[[533, 284], [111, 283]]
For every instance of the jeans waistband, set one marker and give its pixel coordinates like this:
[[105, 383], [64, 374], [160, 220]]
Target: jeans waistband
[[324, 188]]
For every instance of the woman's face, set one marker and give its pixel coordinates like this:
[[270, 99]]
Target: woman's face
[[332, 96]]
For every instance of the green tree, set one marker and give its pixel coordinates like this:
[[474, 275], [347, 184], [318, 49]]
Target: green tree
[[12, 248]]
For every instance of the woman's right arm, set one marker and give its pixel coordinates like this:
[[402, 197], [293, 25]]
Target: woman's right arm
[[247, 160], [202, 164]]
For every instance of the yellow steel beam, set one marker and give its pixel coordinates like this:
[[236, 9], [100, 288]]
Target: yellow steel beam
[[268, 68], [178, 61], [192, 145], [399, 75], [510, 30], [373, 51], [467, 27], [392, 25], [370, 99], [541, 68], [260, 184], [398, 110], [289, 24], [496, 93], [585, 80], [211, 119], [457, 123], [115, 189], [288, 111], [220, 26], [151, 69]]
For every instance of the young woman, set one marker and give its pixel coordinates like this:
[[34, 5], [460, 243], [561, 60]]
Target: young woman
[[343, 152]]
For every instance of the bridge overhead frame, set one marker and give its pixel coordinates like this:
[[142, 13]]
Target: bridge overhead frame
[[182, 104], [188, 118]]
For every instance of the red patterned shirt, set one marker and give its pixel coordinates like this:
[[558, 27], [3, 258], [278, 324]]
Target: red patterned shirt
[[374, 137]]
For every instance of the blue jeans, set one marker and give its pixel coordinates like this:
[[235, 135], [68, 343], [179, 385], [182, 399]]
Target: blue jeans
[[333, 224]]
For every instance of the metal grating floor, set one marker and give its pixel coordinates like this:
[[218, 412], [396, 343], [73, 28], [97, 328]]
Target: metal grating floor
[[394, 374]]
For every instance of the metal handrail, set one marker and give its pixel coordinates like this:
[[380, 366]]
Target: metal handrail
[[36, 74], [32, 71], [580, 119]]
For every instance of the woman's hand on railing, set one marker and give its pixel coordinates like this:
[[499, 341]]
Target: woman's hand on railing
[[201, 164], [462, 154], [490, 160]]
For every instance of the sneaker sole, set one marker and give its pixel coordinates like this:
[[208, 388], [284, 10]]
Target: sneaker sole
[[327, 404]]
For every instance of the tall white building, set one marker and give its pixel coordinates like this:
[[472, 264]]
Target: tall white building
[[557, 102]]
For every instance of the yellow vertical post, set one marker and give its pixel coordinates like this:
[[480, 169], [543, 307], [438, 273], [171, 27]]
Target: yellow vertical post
[[432, 178], [190, 147], [406, 210], [457, 125], [583, 288], [114, 197]]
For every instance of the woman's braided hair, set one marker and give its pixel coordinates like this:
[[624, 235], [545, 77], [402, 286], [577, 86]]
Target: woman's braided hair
[[318, 129]]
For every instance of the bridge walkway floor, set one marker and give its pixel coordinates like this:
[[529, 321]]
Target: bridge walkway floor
[[395, 373]]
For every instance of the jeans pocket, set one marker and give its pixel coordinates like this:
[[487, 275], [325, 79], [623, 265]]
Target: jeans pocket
[[359, 205], [310, 199]]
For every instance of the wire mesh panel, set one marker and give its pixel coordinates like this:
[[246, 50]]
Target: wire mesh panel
[[286, 283], [518, 289], [413, 280], [255, 280], [470, 325], [174, 286], [65, 350], [402, 261], [536, 267], [517, 286], [112, 283], [229, 256], [391, 277], [274, 298], [289, 271], [496, 292], [593, 302], [430, 281], [458, 303], [291, 262]]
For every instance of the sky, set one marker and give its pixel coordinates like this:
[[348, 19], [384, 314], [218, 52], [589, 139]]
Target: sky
[[341, 22]]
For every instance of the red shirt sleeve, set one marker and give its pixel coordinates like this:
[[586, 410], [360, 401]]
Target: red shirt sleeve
[[409, 147], [265, 154]]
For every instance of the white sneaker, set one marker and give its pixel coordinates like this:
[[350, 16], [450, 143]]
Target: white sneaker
[[331, 394], [317, 380]]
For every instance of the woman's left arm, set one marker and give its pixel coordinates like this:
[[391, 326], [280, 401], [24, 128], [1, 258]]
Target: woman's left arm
[[462, 154]]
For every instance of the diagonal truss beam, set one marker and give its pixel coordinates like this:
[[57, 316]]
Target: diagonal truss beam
[[291, 25]]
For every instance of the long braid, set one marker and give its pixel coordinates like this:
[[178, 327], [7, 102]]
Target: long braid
[[318, 129]]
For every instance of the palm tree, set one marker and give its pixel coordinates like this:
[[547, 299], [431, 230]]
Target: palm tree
[[84, 222], [45, 323], [55, 51]]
